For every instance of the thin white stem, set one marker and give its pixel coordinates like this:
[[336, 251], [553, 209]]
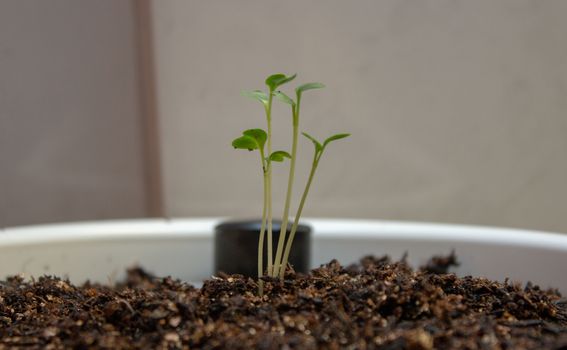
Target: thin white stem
[[269, 187], [289, 242], [262, 230], [285, 218]]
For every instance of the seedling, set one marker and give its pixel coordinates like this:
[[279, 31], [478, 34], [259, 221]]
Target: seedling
[[319, 149], [257, 139], [272, 82], [295, 120]]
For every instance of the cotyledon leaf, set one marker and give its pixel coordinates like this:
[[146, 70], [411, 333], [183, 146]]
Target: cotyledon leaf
[[257, 134], [245, 142], [279, 156], [308, 86], [334, 138], [256, 95], [318, 146], [284, 98], [275, 80]]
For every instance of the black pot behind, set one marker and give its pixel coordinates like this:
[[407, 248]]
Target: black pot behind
[[236, 247]]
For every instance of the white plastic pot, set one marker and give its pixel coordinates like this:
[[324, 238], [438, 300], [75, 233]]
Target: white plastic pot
[[183, 248]]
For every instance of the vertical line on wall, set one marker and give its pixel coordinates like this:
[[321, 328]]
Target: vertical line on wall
[[149, 108]]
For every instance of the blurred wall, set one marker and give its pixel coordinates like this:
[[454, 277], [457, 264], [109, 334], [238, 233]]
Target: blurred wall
[[458, 109], [71, 143]]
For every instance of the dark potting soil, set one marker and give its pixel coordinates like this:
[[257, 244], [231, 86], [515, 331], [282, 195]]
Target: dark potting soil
[[374, 304]]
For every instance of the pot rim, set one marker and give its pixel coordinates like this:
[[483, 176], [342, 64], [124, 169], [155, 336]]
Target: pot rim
[[203, 228]]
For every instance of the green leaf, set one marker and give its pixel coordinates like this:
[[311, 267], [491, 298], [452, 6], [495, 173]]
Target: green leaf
[[275, 80], [257, 95], [245, 142], [334, 138], [284, 98], [257, 134], [318, 146], [279, 156], [308, 86]]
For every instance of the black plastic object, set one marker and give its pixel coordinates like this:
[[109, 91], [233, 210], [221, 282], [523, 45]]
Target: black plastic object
[[236, 247]]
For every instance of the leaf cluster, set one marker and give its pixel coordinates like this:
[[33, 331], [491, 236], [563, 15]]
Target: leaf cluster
[[320, 147], [255, 139]]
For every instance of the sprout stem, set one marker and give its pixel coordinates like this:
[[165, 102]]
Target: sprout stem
[[262, 229], [289, 242], [285, 218], [269, 183]]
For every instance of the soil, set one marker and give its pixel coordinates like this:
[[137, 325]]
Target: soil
[[376, 304]]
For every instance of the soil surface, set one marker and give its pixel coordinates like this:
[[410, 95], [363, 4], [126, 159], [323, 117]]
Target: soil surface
[[376, 304]]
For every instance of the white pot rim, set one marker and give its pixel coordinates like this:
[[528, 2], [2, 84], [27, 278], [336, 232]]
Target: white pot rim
[[203, 227]]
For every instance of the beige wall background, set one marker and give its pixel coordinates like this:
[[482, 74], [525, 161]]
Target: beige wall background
[[71, 139], [458, 109]]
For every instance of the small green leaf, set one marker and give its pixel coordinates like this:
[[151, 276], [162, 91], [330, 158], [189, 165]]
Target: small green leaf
[[245, 142], [334, 138], [275, 80], [318, 146], [284, 98], [308, 86], [279, 156], [256, 95], [257, 134]]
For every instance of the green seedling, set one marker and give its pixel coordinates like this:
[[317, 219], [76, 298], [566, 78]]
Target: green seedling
[[295, 123], [258, 139], [272, 82], [319, 149], [255, 139]]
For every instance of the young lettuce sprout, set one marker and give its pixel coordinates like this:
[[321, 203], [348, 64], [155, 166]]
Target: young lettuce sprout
[[272, 82], [295, 122], [258, 139], [319, 149], [250, 140]]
